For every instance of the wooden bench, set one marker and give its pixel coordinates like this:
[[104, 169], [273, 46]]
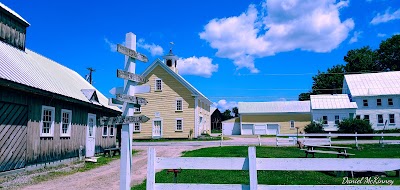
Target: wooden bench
[[111, 151], [346, 155]]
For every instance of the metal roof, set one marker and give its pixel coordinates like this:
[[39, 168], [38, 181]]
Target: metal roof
[[176, 76], [274, 107], [13, 13], [328, 101], [373, 84], [34, 70]]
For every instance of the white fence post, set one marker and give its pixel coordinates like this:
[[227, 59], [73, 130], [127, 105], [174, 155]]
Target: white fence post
[[253, 168], [276, 140], [259, 140], [330, 138], [356, 140], [151, 171], [222, 138]]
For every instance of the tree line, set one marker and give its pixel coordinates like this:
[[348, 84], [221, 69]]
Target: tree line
[[362, 60]]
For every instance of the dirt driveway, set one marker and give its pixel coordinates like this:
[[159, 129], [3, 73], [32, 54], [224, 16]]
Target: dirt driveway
[[107, 177]]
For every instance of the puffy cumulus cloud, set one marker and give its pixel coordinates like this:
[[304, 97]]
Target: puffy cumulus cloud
[[381, 35], [356, 35], [382, 18], [200, 66], [223, 105], [113, 46], [279, 26], [155, 50]]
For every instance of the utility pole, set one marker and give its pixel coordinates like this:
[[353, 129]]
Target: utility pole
[[90, 80]]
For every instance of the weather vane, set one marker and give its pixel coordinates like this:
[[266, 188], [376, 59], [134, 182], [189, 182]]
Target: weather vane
[[171, 45]]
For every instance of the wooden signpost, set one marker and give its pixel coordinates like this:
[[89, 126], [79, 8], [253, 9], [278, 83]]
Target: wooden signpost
[[126, 96], [131, 53]]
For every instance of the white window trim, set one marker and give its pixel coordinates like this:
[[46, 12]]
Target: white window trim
[[139, 109], [377, 102], [68, 134], [140, 127], [155, 85], [290, 124], [377, 119], [337, 120], [176, 124], [51, 134], [366, 102], [102, 131], [109, 130], [394, 119], [176, 104], [392, 102]]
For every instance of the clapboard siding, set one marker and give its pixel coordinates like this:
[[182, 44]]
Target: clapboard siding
[[164, 102], [13, 121], [48, 149]]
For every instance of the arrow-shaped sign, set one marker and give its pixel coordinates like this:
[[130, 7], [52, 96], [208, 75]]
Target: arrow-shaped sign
[[138, 89], [123, 120], [131, 99], [131, 53], [130, 76], [116, 102]]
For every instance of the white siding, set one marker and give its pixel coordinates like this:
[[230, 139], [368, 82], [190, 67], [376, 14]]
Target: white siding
[[331, 113]]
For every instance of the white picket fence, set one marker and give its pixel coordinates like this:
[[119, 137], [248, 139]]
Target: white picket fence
[[291, 139], [252, 164]]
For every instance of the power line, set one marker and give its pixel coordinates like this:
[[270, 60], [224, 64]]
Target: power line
[[300, 74]]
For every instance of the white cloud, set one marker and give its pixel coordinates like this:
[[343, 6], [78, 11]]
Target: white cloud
[[155, 50], [200, 66], [386, 17], [381, 35], [279, 26], [113, 46], [223, 105], [356, 35]]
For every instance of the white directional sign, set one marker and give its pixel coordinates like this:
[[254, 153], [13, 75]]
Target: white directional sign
[[131, 99], [116, 102], [138, 89], [130, 76], [123, 120], [131, 53]]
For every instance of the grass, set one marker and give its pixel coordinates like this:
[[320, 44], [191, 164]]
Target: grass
[[270, 177], [373, 138], [216, 131], [87, 166]]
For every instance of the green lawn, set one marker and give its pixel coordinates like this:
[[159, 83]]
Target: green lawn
[[373, 138], [271, 177]]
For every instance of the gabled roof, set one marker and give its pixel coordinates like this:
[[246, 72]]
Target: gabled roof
[[178, 77], [34, 70], [14, 13], [373, 84], [336, 101], [274, 107]]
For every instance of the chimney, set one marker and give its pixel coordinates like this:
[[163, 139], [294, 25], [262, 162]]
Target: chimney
[[12, 27]]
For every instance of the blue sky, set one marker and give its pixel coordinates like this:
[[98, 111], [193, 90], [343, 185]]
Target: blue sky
[[243, 51]]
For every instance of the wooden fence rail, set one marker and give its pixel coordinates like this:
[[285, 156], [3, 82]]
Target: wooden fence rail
[[252, 164]]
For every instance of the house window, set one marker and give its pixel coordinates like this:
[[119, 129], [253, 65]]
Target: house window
[[390, 102], [179, 105], [380, 119], [158, 85], [365, 102], [358, 117], [324, 119], [105, 131], [366, 118], [379, 102], [111, 130], [47, 122], [138, 109], [336, 120], [66, 117], [292, 124], [136, 128], [179, 125], [391, 119]]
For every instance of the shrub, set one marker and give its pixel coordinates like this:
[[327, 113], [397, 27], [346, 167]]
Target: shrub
[[355, 125], [314, 127]]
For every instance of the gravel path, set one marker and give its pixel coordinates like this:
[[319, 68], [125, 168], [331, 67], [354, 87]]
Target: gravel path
[[107, 177]]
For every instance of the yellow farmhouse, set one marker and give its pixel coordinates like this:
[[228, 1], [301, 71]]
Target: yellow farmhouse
[[176, 109], [271, 118]]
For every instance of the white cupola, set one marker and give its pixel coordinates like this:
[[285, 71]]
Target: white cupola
[[171, 61]]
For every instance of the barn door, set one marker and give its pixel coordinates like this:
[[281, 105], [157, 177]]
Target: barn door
[[13, 133]]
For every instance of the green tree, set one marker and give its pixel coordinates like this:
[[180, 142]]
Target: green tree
[[329, 82], [235, 110], [389, 53], [355, 125], [361, 60], [304, 96], [226, 115]]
